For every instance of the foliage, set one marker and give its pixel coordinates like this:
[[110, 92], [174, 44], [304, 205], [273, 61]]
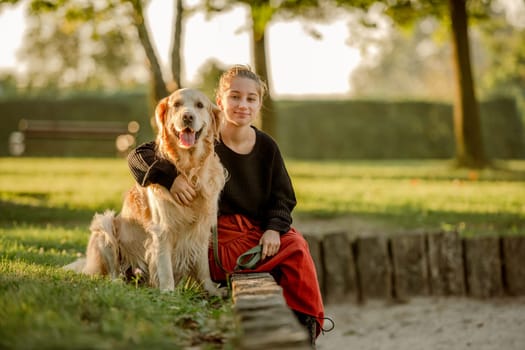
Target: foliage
[[504, 69], [261, 12], [468, 141], [46, 205], [506, 66], [404, 64], [351, 129], [416, 62], [408, 12], [369, 129], [208, 76], [75, 44]]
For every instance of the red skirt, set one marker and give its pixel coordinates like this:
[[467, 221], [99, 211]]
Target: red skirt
[[292, 267]]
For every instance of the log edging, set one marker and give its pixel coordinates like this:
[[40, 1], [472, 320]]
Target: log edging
[[264, 319], [420, 264]]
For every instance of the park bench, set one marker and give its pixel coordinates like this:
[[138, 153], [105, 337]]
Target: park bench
[[122, 134], [265, 320]]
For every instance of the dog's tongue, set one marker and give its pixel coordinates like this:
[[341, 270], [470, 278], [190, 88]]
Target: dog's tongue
[[187, 138]]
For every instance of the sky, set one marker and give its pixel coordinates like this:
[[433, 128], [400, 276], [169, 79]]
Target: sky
[[298, 64]]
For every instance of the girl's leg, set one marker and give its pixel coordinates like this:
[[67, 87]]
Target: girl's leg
[[292, 267]]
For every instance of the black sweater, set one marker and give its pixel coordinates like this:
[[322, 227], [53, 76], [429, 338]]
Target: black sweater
[[258, 184]]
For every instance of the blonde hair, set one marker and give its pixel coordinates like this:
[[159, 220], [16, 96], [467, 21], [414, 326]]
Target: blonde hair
[[243, 71]]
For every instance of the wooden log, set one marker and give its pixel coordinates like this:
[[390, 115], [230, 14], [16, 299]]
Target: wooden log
[[374, 268], [264, 319], [314, 244], [514, 263], [410, 267], [445, 258], [483, 267], [339, 269]]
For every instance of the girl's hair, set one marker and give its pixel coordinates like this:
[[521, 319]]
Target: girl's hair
[[243, 71]]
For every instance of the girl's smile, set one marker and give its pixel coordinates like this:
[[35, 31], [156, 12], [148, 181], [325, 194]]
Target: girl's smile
[[241, 102]]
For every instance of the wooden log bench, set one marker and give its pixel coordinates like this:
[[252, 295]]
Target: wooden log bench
[[264, 319], [32, 134]]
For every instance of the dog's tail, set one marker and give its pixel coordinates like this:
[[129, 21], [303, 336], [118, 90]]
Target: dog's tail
[[102, 250]]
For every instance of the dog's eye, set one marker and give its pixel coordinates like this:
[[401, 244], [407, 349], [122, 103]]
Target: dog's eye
[[199, 105], [177, 104]]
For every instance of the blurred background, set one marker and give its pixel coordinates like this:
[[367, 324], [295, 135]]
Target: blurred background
[[348, 79]]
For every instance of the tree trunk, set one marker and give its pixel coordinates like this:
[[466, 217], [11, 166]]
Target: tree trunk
[[159, 86], [467, 126], [176, 45], [269, 117]]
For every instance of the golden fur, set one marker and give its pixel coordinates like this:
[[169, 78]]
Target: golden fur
[[153, 234]]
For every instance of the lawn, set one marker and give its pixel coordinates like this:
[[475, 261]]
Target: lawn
[[45, 209], [414, 195], [46, 205]]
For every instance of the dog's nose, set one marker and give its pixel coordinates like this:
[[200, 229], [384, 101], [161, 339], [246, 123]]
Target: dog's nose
[[187, 118]]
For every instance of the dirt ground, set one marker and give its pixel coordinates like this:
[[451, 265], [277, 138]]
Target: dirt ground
[[428, 323], [425, 323]]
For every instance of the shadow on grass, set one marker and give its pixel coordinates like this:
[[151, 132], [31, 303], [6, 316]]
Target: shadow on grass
[[12, 212], [44, 251], [488, 175], [43, 235], [399, 219]]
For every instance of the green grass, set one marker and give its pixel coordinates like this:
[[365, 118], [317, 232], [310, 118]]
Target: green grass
[[410, 195], [45, 209], [46, 206]]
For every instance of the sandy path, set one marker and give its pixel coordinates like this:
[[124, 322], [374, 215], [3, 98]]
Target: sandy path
[[428, 323]]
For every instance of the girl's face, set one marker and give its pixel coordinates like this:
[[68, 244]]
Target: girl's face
[[240, 102]]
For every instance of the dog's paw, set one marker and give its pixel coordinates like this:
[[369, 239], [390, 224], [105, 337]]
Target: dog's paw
[[118, 280], [218, 292], [166, 290]]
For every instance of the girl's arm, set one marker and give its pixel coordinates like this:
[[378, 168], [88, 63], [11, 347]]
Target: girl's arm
[[147, 167], [282, 202]]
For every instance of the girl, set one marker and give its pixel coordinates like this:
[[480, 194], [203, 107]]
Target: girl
[[256, 203]]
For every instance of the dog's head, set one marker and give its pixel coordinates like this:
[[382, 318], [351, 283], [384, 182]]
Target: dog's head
[[187, 119]]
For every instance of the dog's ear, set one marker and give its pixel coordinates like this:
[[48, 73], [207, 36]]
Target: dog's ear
[[160, 113], [216, 114]]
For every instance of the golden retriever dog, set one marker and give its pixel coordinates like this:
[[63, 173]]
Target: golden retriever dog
[[153, 234]]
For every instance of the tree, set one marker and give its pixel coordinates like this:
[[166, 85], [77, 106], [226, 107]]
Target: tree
[[261, 13], [399, 64], [64, 47], [176, 45], [78, 47], [159, 88], [467, 127], [125, 12], [208, 76]]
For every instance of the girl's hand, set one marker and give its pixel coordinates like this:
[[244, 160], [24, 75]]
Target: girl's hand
[[271, 242], [183, 192]]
